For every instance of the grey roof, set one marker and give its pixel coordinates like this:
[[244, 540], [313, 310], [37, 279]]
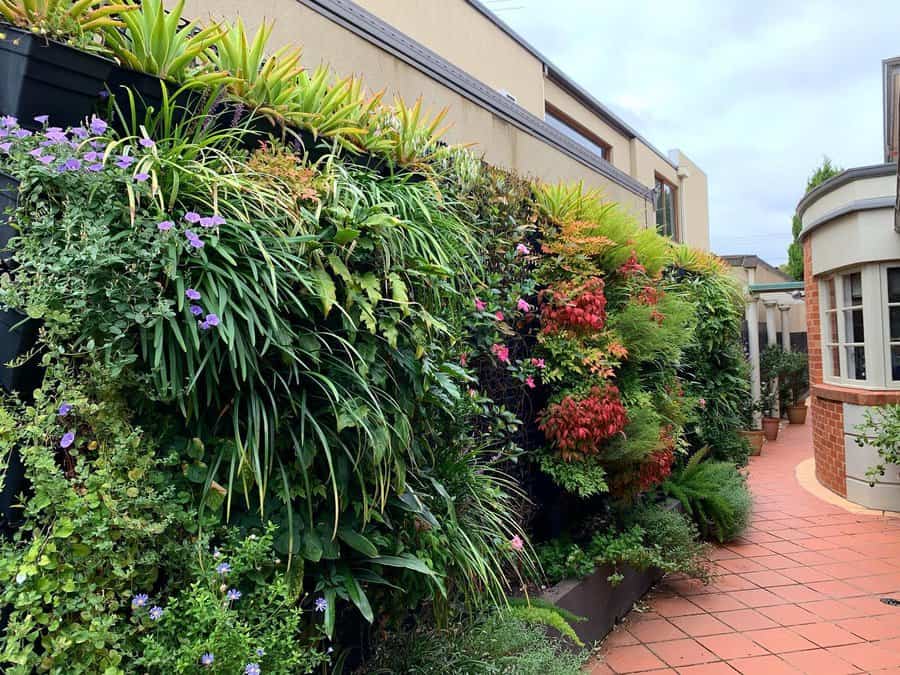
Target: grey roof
[[754, 261], [572, 87]]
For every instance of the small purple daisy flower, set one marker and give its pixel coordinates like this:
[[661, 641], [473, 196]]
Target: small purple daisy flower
[[165, 225], [124, 161], [207, 659], [196, 310], [65, 409], [6, 147], [260, 651], [252, 669], [37, 152], [92, 156], [141, 177], [8, 121], [72, 164], [223, 568], [146, 143], [46, 159], [67, 440], [139, 600], [207, 222], [191, 294], [21, 133], [55, 135], [217, 220], [95, 168], [193, 240], [156, 613], [212, 319], [80, 132], [321, 604], [192, 217], [233, 594]]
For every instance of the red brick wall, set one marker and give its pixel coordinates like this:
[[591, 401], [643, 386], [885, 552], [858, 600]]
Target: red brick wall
[[827, 415]]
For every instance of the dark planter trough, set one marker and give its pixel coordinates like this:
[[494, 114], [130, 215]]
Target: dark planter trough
[[599, 601], [148, 95], [42, 77]]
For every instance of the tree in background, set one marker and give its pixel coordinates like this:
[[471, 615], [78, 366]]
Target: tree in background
[[795, 250]]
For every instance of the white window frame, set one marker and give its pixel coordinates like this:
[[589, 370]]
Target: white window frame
[[876, 327]]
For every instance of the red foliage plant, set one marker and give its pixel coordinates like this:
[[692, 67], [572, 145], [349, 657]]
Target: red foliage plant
[[578, 426], [579, 308], [656, 469]]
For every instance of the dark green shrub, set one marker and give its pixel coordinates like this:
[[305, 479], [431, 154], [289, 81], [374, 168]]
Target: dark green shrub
[[714, 494]]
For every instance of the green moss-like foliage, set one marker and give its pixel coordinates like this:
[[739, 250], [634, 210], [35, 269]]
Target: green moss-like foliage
[[584, 478], [539, 612], [714, 494], [654, 332]]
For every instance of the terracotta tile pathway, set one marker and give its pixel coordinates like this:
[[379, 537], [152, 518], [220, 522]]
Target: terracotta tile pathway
[[798, 593]]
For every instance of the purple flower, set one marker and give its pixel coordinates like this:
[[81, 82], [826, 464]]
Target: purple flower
[[522, 249], [37, 152], [67, 440], [124, 161], [192, 217], [98, 126], [146, 143], [4, 133], [141, 177], [321, 604], [165, 225], [139, 600], [5, 147], [196, 310], [217, 220], [193, 240], [42, 119], [191, 294], [207, 222], [80, 132], [212, 319], [223, 568], [203, 325], [260, 651], [8, 121], [65, 409], [55, 135], [92, 156], [95, 168], [46, 159], [72, 164], [21, 133], [156, 613], [96, 145], [233, 594], [207, 659], [252, 669]]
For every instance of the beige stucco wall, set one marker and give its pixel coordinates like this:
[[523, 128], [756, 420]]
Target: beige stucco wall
[[856, 237], [797, 313], [694, 195], [463, 36]]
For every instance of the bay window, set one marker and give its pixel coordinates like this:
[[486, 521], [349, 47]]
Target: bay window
[[860, 319]]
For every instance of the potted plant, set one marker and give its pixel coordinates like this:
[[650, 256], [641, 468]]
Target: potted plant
[[771, 365], [755, 437], [793, 384], [50, 57]]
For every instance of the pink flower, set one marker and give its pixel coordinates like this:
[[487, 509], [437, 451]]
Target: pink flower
[[464, 359], [501, 352], [499, 316], [516, 543], [702, 403], [522, 249], [523, 306], [537, 363], [480, 305], [530, 382]]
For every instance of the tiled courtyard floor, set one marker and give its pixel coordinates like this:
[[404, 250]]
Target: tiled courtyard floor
[[800, 592]]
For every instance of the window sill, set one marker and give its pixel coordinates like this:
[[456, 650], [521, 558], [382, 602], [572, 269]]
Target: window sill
[[833, 392]]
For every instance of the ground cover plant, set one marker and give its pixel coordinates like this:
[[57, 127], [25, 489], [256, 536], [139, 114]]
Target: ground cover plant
[[305, 390]]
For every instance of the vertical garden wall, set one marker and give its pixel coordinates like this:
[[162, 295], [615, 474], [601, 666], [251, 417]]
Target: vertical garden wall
[[295, 385]]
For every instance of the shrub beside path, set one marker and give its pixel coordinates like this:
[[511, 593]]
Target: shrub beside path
[[799, 592]]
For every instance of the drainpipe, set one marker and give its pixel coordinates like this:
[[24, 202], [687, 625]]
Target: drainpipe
[[753, 344], [682, 223]]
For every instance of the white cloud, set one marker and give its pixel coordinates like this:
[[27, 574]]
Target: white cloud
[[756, 93]]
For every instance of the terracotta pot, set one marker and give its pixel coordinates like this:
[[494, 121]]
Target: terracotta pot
[[756, 439], [770, 427], [796, 414]]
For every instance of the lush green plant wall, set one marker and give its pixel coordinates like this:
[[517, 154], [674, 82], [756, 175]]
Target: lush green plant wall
[[313, 379]]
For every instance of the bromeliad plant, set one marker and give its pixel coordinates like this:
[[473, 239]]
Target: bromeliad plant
[[74, 21], [151, 39]]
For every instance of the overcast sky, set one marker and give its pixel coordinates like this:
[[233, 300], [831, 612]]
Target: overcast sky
[[754, 92]]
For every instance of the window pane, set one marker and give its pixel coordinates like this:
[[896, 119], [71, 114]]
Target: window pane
[[832, 327], [852, 289], [856, 363], [829, 294], [853, 326], [893, 282], [665, 209], [834, 359], [895, 323], [895, 362]]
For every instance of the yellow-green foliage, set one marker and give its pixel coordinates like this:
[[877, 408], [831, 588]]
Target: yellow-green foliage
[[540, 612], [654, 332]]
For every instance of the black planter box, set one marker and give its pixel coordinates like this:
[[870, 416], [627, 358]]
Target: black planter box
[[148, 94], [9, 192], [42, 77], [599, 601]]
